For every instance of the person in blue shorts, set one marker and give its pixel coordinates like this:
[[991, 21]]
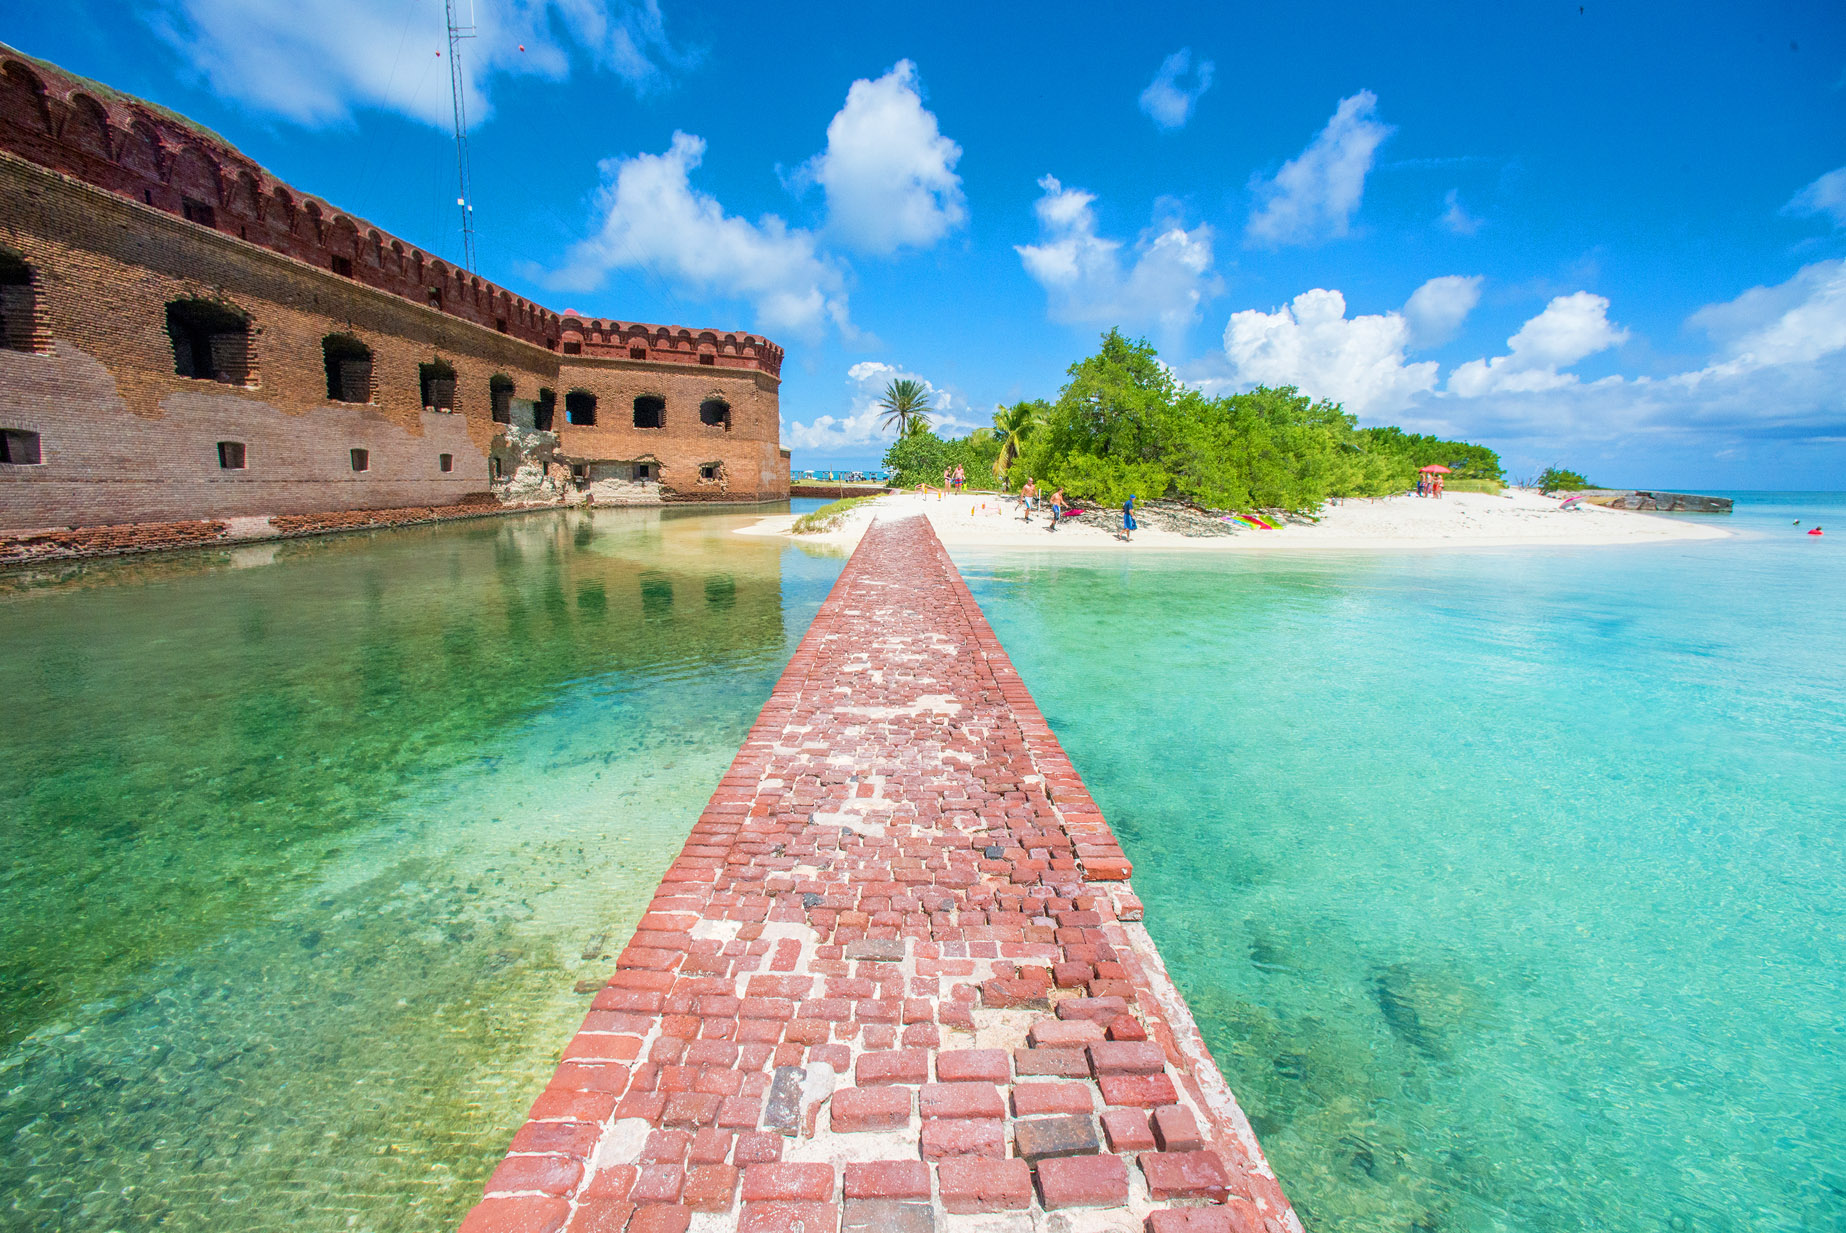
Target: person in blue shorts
[[1128, 517]]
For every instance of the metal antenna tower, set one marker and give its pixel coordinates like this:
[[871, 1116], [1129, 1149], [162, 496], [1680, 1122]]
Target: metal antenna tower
[[458, 32]]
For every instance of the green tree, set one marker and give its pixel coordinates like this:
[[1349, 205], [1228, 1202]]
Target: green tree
[[1557, 479], [1013, 427], [905, 402]]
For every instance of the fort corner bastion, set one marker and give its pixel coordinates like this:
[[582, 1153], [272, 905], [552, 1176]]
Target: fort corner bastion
[[185, 337]]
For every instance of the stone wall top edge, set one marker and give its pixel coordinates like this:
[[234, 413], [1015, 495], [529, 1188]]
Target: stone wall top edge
[[248, 249]]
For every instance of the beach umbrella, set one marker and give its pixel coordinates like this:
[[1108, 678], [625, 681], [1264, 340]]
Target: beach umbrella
[[1434, 468]]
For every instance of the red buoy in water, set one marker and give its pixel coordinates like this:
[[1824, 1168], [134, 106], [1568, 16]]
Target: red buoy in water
[[1815, 531]]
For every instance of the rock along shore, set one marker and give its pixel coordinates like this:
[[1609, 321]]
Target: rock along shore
[[894, 981]]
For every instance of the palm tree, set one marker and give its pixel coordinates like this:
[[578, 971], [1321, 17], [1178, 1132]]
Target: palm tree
[[905, 404], [1013, 426]]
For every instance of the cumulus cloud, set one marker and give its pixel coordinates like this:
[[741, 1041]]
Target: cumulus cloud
[[1168, 103], [318, 68], [1572, 327], [1317, 192], [887, 171], [1311, 344], [1437, 308], [1795, 323], [1090, 279], [1825, 196], [1772, 382], [654, 220], [860, 424], [1457, 219]]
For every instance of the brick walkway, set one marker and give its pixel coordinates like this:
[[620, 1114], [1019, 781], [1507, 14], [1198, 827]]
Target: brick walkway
[[892, 984]]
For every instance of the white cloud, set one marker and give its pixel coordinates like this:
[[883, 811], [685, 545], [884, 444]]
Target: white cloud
[[317, 67], [1798, 322], [1169, 104], [861, 424], [888, 172], [654, 220], [1457, 219], [1772, 384], [1317, 192], [1827, 196], [1571, 328], [1310, 344], [1090, 280], [1437, 308]]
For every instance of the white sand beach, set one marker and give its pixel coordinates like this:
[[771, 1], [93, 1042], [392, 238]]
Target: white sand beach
[[1515, 518]]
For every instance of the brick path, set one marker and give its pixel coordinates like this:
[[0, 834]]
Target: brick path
[[892, 984]]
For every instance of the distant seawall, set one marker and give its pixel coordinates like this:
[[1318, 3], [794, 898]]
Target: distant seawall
[[1663, 502]]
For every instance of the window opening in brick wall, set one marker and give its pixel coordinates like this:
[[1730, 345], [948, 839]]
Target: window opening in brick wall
[[715, 413], [572, 348], [500, 324], [362, 460], [650, 411], [445, 462], [500, 394], [349, 368], [580, 408], [231, 455], [544, 410], [435, 297], [646, 471], [211, 342], [19, 448], [18, 304], [437, 381], [343, 266], [551, 344], [198, 212], [637, 353], [498, 468], [709, 471], [708, 360]]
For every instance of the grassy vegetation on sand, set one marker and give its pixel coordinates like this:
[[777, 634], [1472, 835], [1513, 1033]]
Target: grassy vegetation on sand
[[828, 517]]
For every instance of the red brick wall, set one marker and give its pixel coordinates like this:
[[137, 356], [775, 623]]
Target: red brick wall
[[747, 453], [120, 208]]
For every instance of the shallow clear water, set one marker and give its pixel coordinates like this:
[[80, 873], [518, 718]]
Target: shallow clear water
[[308, 844], [1507, 886]]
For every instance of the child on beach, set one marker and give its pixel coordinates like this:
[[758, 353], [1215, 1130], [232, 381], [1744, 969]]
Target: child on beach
[[1057, 508]]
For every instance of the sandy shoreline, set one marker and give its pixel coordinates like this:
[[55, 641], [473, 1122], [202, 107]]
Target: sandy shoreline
[[1515, 518]]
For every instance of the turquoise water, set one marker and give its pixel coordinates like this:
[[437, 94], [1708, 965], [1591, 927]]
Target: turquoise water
[[1507, 886], [308, 845]]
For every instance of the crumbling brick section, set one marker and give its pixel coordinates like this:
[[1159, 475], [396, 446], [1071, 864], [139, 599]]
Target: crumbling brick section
[[893, 981]]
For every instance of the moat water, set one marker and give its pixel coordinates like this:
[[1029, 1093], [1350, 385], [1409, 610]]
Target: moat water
[[1508, 888], [1506, 885], [307, 844]]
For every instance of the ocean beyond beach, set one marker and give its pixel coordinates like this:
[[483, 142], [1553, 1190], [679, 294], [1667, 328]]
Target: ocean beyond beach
[[1505, 884]]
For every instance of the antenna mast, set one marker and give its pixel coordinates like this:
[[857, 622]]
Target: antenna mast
[[458, 32]]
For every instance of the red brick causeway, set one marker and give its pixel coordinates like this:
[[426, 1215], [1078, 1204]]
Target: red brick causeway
[[893, 983]]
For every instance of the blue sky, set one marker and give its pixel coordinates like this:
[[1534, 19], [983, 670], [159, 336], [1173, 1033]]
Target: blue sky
[[1607, 236]]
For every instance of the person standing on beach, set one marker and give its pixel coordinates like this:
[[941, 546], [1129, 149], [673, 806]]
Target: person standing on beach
[[961, 479], [1028, 497], [1057, 508], [1128, 518], [1438, 483]]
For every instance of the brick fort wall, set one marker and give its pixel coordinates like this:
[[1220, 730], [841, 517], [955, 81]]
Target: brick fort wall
[[111, 210]]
